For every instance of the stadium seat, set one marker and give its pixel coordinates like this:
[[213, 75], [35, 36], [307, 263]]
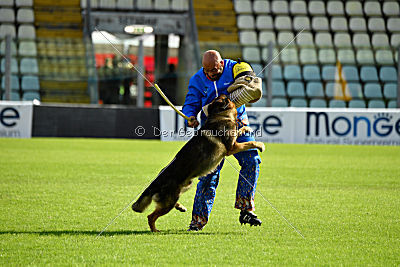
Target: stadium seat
[[14, 65], [376, 25], [329, 73], [388, 74], [376, 104], [25, 3], [315, 90], [305, 39], [298, 7], [372, 8], [357, 103], [358, 25], [373, 90], [392, 104], [179, 5], [391, 8], [107, 4], [350, 73], [323, 39], [361, 40], [283, 23], [368, 74], [284, 38], [335, 8], [339, 24], [390, 91], [292, 72], [7, 29], [327, 56], [261, 7], [245, 22], [308, 56], [29, 65], [242, 6], [127, 4], [316, 8], [25, 15], [295, 89], [395, 40], [94, 4], [258, 70], [298, 103], [264, 37], [162, 5], [354, 89], [27, 48], [346, 56], [311, 73], [289, 55], [29, 82], [26, 32], [279, 103], [6, 3], [7, 15], [333, 90], [320, 24], [262, 22], [260, 103], [365, 57], [337, 103], [3, 48], [248, 38], [14, 96], [251, 54], [277, 72], [278, 89], [342, 40], [301, 23], [30, 96], [317, 103], [280, 7], [354, 8], [380, 40], [384, 57], [14, 82]]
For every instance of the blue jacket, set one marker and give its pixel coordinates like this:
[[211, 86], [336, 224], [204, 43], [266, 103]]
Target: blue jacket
[[202, 91]]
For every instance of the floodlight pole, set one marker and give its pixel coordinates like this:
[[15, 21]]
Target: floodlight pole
[[140, 79], [398, 77], [7, 74], [269, 74]]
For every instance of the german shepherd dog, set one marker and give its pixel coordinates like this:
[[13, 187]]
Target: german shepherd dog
[[198, 157]]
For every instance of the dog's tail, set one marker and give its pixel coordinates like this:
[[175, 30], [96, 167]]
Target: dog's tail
[[143, 202]]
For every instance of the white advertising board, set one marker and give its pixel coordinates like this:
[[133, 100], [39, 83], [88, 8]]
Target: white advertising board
[[16, 119], [305, 126]]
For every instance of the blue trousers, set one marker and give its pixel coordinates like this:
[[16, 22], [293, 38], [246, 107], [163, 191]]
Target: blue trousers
[[205, 193]]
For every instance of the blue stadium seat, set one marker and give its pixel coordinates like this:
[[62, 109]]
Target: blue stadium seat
[[376, 104], [298, 103], [328, 73], [390, 91], [14, 96], [392, 104], [373, 90], [388, 74], [292, 72], [295, 89], [315, 89], [260, 103], [257, 68], [311, 73], [350, 73], [14, 82], [369, 74], [279, 102], [29, 82], [277, 72], [278, 89], [337, 104], [317, 103], [29, 96], [358, 103], [333, 90], [355, 90]]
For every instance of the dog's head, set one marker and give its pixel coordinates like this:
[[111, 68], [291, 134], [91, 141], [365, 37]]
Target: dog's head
[[220, 105]]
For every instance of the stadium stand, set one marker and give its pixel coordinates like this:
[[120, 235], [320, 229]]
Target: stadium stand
[[362, 37]]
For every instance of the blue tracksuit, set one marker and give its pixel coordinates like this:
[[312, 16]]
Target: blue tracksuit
[[201, 92]]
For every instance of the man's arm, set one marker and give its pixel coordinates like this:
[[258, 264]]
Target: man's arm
[[192, 104]]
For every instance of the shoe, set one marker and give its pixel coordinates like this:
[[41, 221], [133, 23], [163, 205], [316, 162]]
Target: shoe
[[193, 228], [249, 217]]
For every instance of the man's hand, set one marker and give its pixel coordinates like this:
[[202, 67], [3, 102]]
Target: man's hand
[[193, 123]]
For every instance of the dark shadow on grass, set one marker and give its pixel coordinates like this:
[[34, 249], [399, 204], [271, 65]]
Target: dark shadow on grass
[[112, 233]]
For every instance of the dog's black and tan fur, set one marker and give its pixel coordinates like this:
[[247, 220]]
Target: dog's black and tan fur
[[199, 156]]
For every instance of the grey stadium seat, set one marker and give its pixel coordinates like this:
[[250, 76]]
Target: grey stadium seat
[[264, 22], [295, 89], [25, 15], [3, 48], [29, 96], [372, 8], [308, 56], [342, 40], [376, 25], [278, 89], [298, 103], [283, 23], [251, 54], [284, 38], [317, 103], [289, 55], [27, 48], [298, 7], [29, 65], [14, 82], [335, 8], [14, 65], [280, 7], [358, 25], [248, 38], [264, 37], [357, 103], [329, 73], [261, 7], [390, 91], [320, 24], [245, 22], [333, 90], [392, 104], [311, 73], [242, 6], [361, 40], [260, 103], [7, 29], [354, 90], [393, 24], [376, 104], [373, 90], [388, 74], [337, 104], [391, 8], [26, 32], [395, 40], [179, 5], [14, 96], [279, 102], [7, 15], [368, 74], [339, 24], [350, 73], [365, 56], [128, 5], [316, 7], [384, 57], [354, 8], [301, 23], [315, 90], [30, 82], [380, 40], [305, 39], [292, 72], [327, 56], [346, 56], [323, 39]]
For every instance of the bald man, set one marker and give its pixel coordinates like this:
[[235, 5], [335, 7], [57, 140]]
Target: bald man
[[209, 82]]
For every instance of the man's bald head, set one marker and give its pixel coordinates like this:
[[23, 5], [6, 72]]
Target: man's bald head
[[213, 64]]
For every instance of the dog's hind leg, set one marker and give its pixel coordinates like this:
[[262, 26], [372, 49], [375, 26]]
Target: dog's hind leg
[[158, 212], [180, 207]]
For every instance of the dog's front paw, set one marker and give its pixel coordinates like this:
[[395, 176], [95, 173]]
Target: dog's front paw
[[260, 146]]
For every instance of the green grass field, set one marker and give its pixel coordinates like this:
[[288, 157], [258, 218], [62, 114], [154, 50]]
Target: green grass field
[[57, 194]]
